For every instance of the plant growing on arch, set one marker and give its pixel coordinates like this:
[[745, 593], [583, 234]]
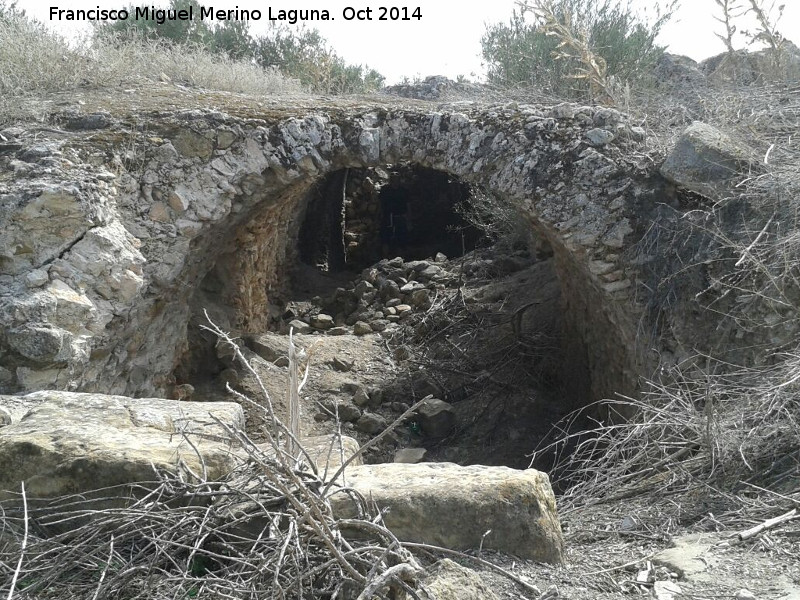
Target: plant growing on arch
[[574, 48]]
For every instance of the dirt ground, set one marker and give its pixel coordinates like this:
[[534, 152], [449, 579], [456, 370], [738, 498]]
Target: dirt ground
[[663, 545], [634, 548]]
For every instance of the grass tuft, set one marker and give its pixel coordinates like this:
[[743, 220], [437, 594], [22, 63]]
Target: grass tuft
[[39, 62]]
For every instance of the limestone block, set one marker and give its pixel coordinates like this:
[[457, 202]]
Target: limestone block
[[268, 346], [192, 144], [447, 580], [703, 158], [436, 417], [63, 442], [40, 344], [453, 506]]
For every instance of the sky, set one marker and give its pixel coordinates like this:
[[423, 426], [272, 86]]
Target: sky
[[445, 40]]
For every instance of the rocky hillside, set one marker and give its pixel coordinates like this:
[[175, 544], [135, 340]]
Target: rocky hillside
[[313, 345]]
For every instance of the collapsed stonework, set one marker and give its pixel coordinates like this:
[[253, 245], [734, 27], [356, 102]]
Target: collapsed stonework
[[56, 443], [109, 229]]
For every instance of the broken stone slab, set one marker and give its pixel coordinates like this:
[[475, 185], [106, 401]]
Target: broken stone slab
[[64, 442], [268, 346], [448, 505], [692, 555]]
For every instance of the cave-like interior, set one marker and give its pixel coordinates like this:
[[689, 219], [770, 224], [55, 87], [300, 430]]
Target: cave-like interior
[[500, 350], [356, 217]]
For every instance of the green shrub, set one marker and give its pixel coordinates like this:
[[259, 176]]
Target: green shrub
[[178, 31], [230, 37], [301, 54], [539, 45], [41, 62], [305, 54], [8, 10]]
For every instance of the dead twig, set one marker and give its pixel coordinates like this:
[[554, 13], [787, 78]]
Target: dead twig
[[24, 544], [766, 525]]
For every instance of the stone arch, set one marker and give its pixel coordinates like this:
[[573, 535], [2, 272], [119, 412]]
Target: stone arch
[[218, 191]]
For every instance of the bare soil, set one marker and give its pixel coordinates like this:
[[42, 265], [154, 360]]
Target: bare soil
[[638, 545]]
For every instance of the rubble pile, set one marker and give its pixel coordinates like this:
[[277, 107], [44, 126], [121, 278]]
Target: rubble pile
[[399, 303], [388, 293]]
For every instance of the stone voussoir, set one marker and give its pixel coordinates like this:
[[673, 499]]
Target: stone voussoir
[[128, 250], [453, 506], [65, 442]]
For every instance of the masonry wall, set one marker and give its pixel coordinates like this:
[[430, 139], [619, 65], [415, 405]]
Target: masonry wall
[[100, 261]]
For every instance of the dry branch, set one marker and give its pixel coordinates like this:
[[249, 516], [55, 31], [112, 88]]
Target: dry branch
[[266, 526], [23, 546], [574, 46], [768, 524]]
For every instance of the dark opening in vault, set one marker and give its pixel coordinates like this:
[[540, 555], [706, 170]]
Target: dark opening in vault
[[355, 217], [380, 267]]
